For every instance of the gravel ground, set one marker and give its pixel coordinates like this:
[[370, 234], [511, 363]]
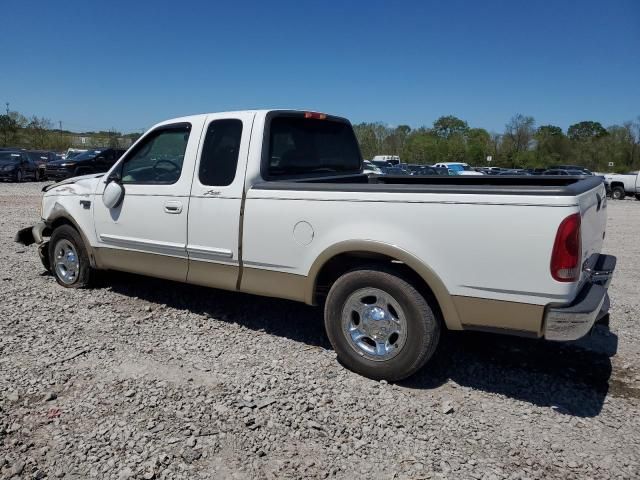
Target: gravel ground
[[142, 378]]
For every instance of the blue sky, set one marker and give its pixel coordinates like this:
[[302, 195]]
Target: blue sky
[[128, 64]]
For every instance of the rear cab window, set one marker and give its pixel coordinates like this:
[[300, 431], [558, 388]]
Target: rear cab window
[[219, 160], [303, 144]]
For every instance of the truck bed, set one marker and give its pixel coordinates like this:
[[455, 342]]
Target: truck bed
[[455, 184]]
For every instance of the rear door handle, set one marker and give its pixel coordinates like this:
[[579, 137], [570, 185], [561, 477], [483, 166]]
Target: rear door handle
[[173, 206]]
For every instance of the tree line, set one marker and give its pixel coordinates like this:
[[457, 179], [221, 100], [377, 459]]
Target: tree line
[[522, 144], [37, 133]]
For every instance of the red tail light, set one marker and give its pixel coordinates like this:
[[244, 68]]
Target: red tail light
[[316, 115], [567, 250]]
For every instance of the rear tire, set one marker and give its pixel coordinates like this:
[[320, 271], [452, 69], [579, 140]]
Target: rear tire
[[617, 193], [637, 196], [379, 324], [68, 258]]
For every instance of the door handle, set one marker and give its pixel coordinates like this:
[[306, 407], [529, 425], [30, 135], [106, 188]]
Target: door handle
[[173, 206]]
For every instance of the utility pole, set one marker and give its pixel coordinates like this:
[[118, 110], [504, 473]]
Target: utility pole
[[60, 125], [7, 104]]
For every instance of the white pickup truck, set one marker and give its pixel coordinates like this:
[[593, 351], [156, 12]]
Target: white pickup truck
[[275, 203], [621, 185]]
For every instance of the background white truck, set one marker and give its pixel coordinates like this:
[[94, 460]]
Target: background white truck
[[275, 203], [621, 185]]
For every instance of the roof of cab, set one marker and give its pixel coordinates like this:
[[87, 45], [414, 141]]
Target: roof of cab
[[190, 118]]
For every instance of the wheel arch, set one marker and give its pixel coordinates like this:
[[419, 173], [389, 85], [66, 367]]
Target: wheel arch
[[59, 217], [344, 256]]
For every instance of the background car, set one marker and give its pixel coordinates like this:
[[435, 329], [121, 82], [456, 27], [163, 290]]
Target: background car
[[458, 168], [395, 171], [41, 158], [92, 161], [16, 166], [370, 168], [560, 171]]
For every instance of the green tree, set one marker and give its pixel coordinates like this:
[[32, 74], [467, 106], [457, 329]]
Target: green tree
[[447, 126], [587, 130], [38, 132], [479, 146], [552, 146], [517, 139], [8, 130]]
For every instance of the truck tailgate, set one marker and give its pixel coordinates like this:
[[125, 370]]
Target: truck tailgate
[[593, 209]]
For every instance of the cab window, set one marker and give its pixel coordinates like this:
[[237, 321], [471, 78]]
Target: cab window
[[219, 159], [158, 159]]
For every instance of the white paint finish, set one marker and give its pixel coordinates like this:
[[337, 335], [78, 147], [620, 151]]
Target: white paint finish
[[504, 248], [303, 233], [630, 181], [151, 218], [213, 232], [486, 246]]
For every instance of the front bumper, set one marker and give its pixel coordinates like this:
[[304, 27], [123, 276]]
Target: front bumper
[[12, 175], [574, 321]]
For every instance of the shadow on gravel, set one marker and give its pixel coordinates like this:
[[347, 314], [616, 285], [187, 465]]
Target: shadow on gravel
[[572, 378]]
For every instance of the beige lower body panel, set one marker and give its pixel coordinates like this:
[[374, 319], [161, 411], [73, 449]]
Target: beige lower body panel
[[270, 283], [214, 275], [256, 281], [498, 315], [154, 265]]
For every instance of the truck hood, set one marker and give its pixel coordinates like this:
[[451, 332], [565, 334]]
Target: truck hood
[[82, 185]]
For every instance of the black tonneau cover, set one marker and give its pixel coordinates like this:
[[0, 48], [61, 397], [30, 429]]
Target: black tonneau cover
[[461, 184]]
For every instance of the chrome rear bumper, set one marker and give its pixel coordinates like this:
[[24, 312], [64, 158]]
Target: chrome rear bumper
[[573, 321]]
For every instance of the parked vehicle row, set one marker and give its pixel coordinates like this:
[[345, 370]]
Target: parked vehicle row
[[18, 165], [91, 161]]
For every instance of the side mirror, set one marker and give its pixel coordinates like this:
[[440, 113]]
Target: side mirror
[[113, 194]]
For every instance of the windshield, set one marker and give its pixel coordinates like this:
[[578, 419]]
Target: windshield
[[85, 155], [456, 167], [299, 146], [9, 157], [37, 156]]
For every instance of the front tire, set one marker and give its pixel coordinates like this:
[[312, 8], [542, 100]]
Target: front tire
[[617, 193], [68, 258], [379, 324], [19, 176]]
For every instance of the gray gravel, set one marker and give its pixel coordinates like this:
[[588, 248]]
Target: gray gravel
[[142, 378]]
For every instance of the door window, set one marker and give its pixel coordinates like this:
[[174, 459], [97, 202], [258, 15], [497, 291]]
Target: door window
[[219, 159], [158, 159]]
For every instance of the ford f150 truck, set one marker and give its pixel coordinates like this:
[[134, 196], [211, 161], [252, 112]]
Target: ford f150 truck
[[275, 203]]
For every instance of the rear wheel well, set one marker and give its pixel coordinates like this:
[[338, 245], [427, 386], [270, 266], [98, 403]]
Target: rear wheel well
[[617, 184], [344, 262]]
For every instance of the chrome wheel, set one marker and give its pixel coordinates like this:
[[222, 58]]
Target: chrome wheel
[[67, 264], [374, 324]]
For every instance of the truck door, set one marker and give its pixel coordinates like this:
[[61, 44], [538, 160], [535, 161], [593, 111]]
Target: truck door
[[147, 232], [216, 199]]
